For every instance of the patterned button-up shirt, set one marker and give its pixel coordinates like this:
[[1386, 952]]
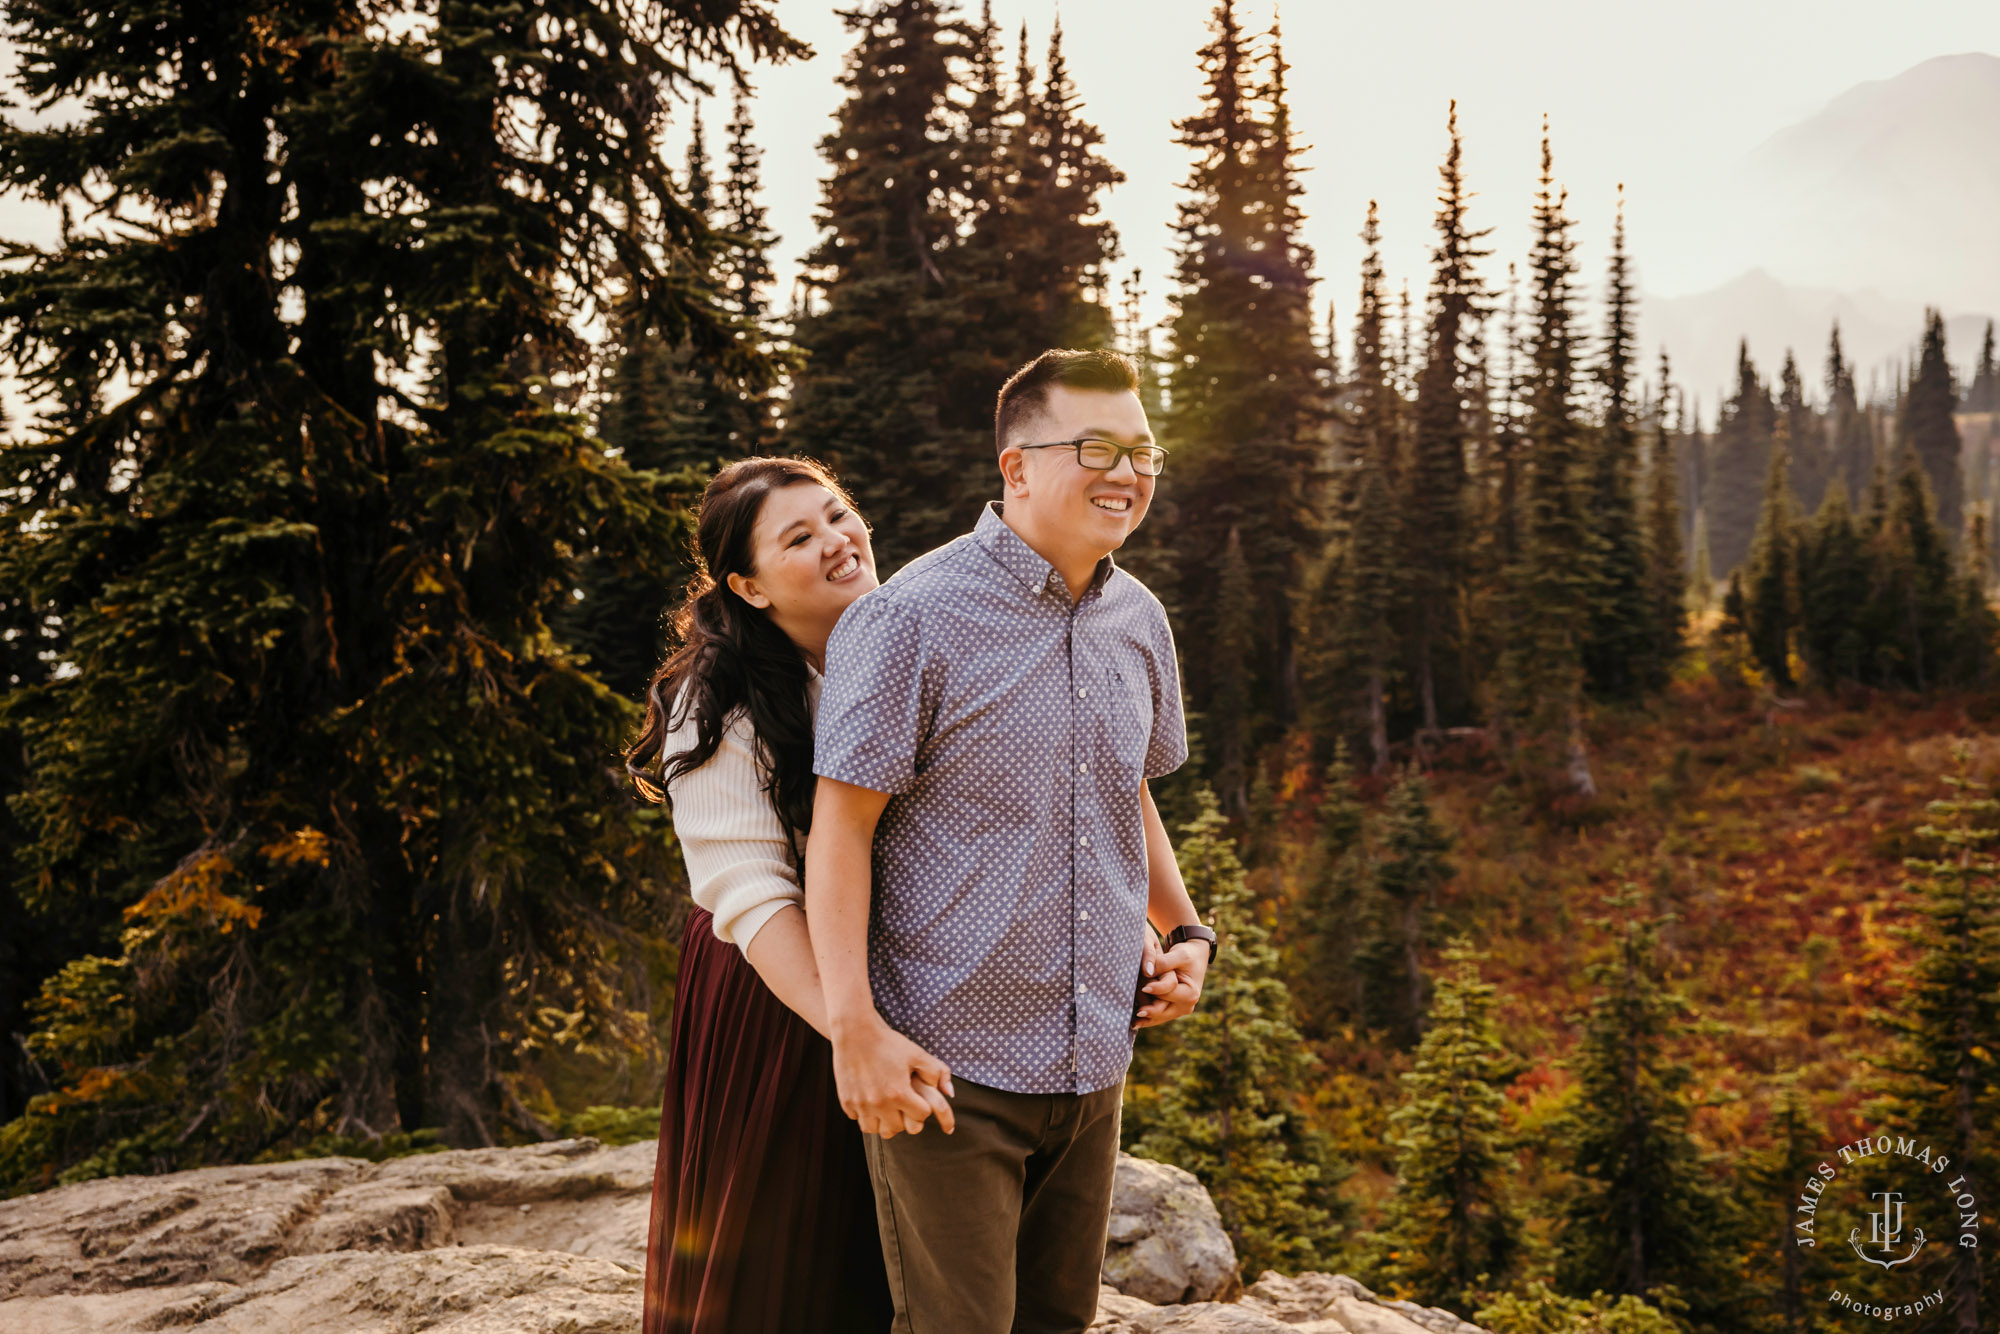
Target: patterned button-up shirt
[[1014, 730]]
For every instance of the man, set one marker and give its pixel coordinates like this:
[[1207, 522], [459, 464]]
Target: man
[[985, 858]]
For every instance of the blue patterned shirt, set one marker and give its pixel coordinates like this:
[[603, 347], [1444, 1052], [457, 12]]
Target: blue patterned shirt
[[1013, 730]]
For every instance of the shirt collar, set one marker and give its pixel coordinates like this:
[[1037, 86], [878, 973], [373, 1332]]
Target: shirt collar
[[1022, 561]]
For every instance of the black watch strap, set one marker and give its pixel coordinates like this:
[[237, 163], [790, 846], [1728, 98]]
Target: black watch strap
[[1194, 931]]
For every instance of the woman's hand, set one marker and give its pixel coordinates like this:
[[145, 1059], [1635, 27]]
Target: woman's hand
[[887, 1083], [1176, 985]]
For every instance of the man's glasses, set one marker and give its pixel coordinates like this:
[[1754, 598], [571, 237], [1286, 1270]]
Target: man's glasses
[[1103, 456]]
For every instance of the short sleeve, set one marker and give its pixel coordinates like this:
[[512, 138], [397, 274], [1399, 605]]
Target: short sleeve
[[1167, 748], [872, 706]]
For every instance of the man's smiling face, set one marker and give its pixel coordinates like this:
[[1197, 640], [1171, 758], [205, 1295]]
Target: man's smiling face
[[1096, 508]]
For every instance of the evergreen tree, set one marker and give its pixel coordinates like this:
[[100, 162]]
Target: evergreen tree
[[1811, 464], [1235, 640], [1538, 1309], [1915, 615], [1451, 1230], [1335, 881], [1493, 468], [746, 264], [1943, 1079], [1645, 1218], [1433, 495], [1983, 394], [1771, 600], [1227, 1107], [883, 323], [1396, 927], [1692, 453], [1374, 586], [1062, 250], [670, 407], [362, 850], [1741, 456], [1553, 577], [1034, 268], [1925, 426], [1244, 406], [1833, 591], [1701, 582], [1979, 552], [1622, 631], [1853, 440], [1775, 1174], [1666, 567]]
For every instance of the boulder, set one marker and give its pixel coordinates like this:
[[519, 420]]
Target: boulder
[[1166, 1241]]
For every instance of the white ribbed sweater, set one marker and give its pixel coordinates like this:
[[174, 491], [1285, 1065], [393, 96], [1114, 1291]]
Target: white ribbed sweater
[[738, 867]]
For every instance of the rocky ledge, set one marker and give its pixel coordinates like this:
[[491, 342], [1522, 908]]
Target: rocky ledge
[[542, 1240]]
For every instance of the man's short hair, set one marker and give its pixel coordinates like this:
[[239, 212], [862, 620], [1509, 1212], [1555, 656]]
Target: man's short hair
[[1027, 390]]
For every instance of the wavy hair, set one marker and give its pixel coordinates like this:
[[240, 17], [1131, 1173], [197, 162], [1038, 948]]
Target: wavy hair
[[729, 655]]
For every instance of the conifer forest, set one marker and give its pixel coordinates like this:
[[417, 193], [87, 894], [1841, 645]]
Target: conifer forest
[[1590, 786]]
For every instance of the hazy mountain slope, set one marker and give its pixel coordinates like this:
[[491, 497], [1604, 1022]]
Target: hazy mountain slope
[[1878, 333], [1894, 185]]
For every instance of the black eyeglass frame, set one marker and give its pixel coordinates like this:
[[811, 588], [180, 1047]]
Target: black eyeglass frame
[[1124, 451]]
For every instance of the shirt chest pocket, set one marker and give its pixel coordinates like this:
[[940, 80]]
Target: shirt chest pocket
[[1127, 711]]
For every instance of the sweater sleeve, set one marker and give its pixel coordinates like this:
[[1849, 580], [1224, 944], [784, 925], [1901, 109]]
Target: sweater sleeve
[[738, 865]]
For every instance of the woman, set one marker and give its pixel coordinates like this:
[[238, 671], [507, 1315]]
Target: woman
[[763, 1218]]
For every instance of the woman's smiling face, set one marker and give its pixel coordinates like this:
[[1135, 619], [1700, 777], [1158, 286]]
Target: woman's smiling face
[[812, 558]]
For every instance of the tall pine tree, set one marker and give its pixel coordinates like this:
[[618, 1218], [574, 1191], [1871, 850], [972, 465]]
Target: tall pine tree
[[1852, 444], [1925, 426], [1811, 460], [1771, 601], [1451, 1229], [1645, 1214], [1372, 575], [1741, 455], [1396, 921], [1228, 1107], [884, 320], [669, 406], [1244, 390], [1833, 592], [1623, 629], [1666, 558], [1433, 497], [1983, 393], [363, 846], [1333, 884], [1555, 572], [1944, 1074]]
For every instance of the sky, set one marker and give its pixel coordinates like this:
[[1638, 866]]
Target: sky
[[1663, 98], [1659, 97]]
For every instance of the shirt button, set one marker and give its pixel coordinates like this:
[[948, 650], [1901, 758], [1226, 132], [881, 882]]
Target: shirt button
[[1083, 768], [1083, 917], [1079, 988], [1082, 691], [1084, 841]]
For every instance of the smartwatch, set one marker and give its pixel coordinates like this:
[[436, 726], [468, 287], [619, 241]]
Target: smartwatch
[[1194, 931]]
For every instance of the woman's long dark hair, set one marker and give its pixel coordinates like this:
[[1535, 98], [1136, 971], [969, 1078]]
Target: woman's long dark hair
[[728, 654]]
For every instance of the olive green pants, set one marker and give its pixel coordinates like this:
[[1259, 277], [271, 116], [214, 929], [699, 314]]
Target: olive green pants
[[998, 1228]]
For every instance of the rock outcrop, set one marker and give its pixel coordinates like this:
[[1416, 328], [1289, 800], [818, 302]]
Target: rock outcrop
[[542, 1240], [1166, 1241]]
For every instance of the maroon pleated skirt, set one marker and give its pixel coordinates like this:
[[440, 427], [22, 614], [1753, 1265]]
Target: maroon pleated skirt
[[763, 1215]]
